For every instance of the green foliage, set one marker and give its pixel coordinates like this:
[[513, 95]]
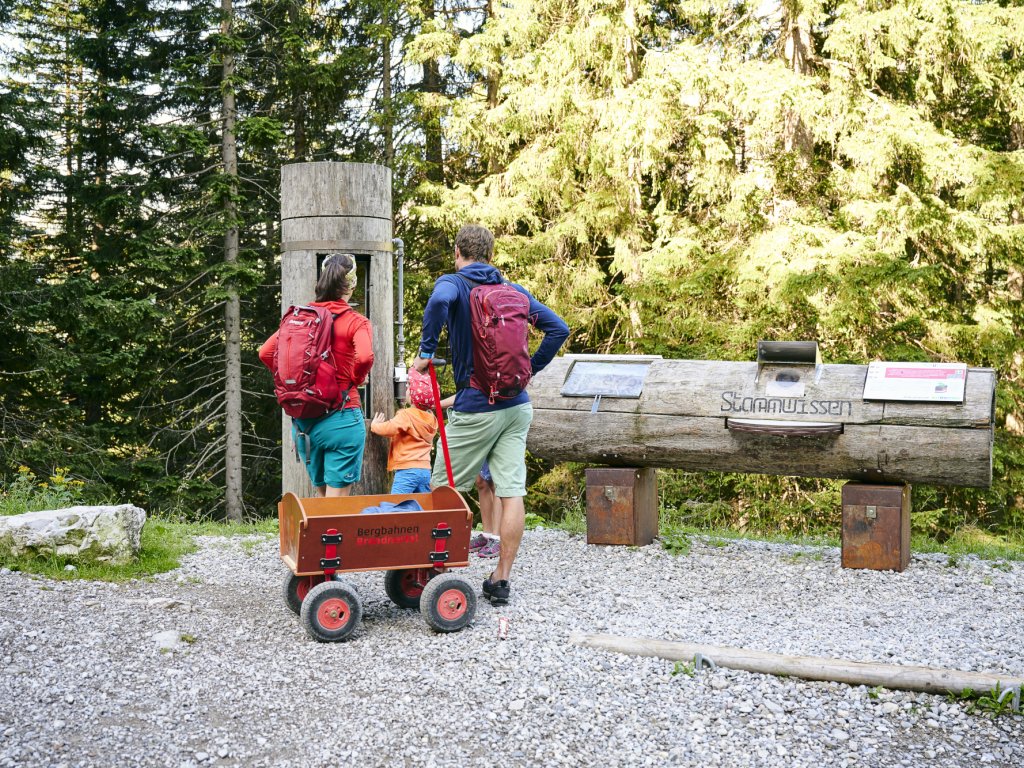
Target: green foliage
[[992, 703], [683, 668], [862, 195], [998, 549], [27, 493], [165, 539], [676, 178], [673, 540], [112, 225]]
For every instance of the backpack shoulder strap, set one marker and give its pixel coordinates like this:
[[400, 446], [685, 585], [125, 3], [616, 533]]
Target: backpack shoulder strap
[[477, 283], [348, 390], [471, 281]]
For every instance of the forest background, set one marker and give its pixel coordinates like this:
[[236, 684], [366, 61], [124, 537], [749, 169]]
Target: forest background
[[681, 178]]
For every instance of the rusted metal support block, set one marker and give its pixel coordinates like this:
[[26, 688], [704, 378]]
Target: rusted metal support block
[[876, 526], [622, 506]]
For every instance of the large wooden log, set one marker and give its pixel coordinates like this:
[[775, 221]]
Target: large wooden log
[[909, 678], [331, 207], [690, 413]]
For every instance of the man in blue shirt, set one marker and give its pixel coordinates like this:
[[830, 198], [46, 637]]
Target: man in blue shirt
[[482, 429]]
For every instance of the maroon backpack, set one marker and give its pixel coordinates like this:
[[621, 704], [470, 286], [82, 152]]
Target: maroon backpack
[[500, 323], [305, 377]]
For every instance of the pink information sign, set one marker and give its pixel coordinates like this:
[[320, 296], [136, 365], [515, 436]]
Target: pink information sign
[[916, 382]]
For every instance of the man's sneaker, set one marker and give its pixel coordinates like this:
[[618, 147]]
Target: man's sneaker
[[497, 591], [478, 542], [490, 550]]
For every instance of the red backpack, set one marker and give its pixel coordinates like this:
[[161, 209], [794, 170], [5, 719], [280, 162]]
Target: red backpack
[[500, 323], [305, 377]]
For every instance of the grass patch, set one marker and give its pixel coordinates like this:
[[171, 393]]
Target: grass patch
[[574, 517], [683, 668], [677, 530], [28, 493], [675, 542], [986, 702], [164, 543], [972, 541], [718, 535], [799, 557]]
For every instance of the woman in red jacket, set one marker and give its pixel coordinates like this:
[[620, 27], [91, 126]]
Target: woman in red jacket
[[336, 440]]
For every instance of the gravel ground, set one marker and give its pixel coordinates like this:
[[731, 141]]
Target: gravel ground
[[84, 683]]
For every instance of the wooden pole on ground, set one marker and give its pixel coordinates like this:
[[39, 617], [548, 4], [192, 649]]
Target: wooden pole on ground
[[927, 679], [329, 207]]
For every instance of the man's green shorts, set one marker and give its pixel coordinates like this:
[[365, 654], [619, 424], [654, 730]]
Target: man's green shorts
[[497, 437]]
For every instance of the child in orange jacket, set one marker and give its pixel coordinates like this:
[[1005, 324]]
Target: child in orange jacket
[[412, 436]]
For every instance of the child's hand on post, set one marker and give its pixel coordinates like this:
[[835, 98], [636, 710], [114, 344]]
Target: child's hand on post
[[378, 419]]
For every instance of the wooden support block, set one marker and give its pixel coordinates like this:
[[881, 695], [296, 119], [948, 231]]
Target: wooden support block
[[622, 506], [876, 526]]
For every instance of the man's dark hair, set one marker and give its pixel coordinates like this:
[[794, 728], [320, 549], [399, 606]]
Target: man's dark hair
[[337, 277], [475, 243]]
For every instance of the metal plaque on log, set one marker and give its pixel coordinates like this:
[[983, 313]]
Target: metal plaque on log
[[916, 382], [608, 378]]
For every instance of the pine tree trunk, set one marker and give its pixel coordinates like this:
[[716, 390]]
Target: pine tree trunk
[[798, 48], [493, 81], [300, 146], [388, 126], [632, 56], [232, 311], [432, 121]]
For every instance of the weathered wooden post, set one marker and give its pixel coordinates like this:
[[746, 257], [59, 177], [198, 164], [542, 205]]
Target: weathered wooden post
[[326, 208]]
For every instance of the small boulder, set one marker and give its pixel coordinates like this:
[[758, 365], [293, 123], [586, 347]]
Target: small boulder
[[104, 533]]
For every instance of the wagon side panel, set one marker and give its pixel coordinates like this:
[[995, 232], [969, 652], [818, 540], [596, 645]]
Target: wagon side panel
[[290, 516], [388, 541]]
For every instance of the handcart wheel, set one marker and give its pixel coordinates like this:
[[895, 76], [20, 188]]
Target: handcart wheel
[[404, 587], [296, 588], [331, 612], [448, 603]]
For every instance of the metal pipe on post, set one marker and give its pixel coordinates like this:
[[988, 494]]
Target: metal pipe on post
[[401, 373], [329, 207]]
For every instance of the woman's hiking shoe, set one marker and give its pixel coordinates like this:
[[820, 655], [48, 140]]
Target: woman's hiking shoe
[[497, 591], [478, 542], [490, 550]]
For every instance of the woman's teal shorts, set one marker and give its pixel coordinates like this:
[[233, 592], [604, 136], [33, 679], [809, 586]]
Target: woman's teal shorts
[[335, 447]]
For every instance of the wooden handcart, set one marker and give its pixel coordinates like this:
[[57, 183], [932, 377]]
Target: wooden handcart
[[324, 537], [321, 538]]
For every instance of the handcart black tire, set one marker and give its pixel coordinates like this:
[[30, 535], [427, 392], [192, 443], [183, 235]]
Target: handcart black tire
[[296, 588], [403, 588], [331, 612], [448, 603]]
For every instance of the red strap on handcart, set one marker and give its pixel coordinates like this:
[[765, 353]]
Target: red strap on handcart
[[440, 423], [330, 560]]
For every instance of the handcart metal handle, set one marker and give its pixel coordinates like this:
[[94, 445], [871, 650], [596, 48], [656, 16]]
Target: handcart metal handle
[[440, 423]]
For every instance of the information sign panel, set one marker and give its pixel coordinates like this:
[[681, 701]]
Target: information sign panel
[[591, 378], [916, 382]]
